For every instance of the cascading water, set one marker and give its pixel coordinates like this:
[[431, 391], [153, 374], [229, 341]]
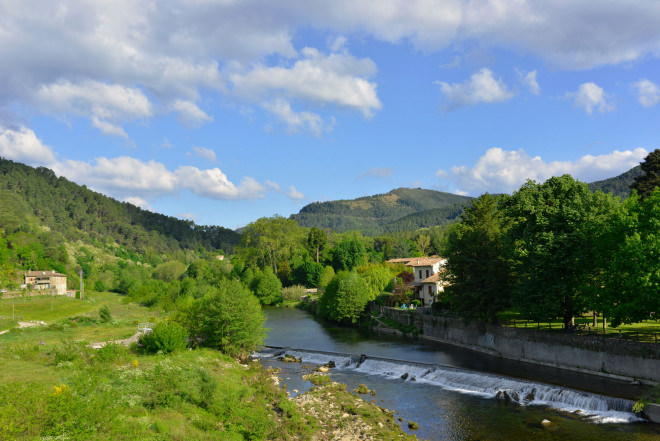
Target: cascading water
[[594, 407]]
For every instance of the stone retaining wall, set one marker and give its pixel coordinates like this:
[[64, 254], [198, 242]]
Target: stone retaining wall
[[608, 357]]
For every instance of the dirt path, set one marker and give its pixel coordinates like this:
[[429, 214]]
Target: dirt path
[[126, 342]]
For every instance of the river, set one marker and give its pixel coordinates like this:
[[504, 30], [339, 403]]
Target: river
[[454, 394]]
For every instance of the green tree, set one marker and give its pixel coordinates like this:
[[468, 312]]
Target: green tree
[[423, 241], [650, 179], [267, 287], [630, 258], [317, 240], [345, 298], [228, 318], [377, 277], [553, 235], [349, 253], [268, 241], [326, 276], [479, 273]]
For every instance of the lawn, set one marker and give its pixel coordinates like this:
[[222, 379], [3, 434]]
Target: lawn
[[646, 331]]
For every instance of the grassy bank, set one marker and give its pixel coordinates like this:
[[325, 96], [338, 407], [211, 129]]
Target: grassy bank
[[55, 387]]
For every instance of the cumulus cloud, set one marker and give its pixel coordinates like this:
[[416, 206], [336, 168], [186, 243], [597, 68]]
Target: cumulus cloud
[[205, 153], [506, 170], [590, 96], [294, 194], [377, 172], [22, 145], [297, 121], [482, 87], [273, 185], [648, 93], [528, 79], [126, 177], [106, 104], [337, 79], [189, 114], [139, 202]]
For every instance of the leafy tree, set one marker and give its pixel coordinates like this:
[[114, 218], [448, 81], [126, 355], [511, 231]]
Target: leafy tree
[[479, 274], [345, 298], [349, 253], [316, 240], [377, 277], [228, 318], [267, 287], [553, 235], [650, 179], [423, 241], [326, 276], [308, 273], [104, 314], [269, 241], [630, 257], [169, 271]]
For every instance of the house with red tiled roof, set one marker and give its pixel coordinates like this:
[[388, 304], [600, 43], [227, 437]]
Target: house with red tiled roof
[[428, 281]]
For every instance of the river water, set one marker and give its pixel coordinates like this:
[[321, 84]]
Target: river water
[[454, 394]]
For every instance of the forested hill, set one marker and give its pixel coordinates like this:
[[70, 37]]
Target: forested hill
[[618, 185], [399, 210], [35, 197]]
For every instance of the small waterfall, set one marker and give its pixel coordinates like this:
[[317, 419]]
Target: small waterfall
[[596, 408]]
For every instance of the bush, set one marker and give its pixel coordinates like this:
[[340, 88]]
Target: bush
[[112, 352], [166, 337], [228, 318], [293, 293], [104, 314]]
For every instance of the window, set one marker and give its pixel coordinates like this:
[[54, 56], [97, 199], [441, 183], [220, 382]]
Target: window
[[430, 289], [427, 274], [420, 274]]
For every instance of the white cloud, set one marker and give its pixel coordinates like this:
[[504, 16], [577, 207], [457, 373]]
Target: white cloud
[[213, 183], [482, 87], [648, 93], [294, 194], [506, 170], [273, 185], [188, 216], [23, 145], [125, 177], [109, 129], [296, 122], [189, 114], [377, 172], [105, 104], [590, 96], [336, 79], [442, 174], [528, 80], [205, 153], [139, 202]]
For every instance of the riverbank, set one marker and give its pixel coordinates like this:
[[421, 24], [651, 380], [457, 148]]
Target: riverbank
[[619, 360]]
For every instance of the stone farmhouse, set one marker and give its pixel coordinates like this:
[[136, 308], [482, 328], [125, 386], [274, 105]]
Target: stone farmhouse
[[39, 280]]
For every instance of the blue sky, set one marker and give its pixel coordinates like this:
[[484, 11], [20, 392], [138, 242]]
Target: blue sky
[[226, 111]]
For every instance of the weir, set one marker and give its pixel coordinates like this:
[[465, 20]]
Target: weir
[[600, 408]]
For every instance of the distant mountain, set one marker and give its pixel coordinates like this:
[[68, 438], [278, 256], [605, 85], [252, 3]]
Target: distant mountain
[[618, 185], [400, 209]]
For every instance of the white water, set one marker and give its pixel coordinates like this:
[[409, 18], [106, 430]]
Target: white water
[[596, 408]]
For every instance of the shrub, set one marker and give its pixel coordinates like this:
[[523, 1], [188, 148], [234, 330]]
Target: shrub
[[166, 337], [104, 314], [112, 352], [293, 293]]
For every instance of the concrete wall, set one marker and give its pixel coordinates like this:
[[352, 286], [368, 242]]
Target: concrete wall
[[608, 357]]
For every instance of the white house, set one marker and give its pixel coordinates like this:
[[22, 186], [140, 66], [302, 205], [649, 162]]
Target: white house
[[428, 281]]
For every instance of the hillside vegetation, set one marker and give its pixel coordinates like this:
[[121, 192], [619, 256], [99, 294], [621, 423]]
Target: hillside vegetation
[[399, 210], [618, 185]]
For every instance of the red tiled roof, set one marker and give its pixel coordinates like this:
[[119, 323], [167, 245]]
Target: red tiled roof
[[425, 261], [44, 274]]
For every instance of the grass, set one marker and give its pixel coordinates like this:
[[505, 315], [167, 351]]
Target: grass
[[53, 386], [646, 331]]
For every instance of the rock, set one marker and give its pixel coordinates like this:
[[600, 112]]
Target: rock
[[546, 422], [404, 376], [413, 425], [322, 369], [330, 364]]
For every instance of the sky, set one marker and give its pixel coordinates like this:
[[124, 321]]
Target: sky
[[225, 111]]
